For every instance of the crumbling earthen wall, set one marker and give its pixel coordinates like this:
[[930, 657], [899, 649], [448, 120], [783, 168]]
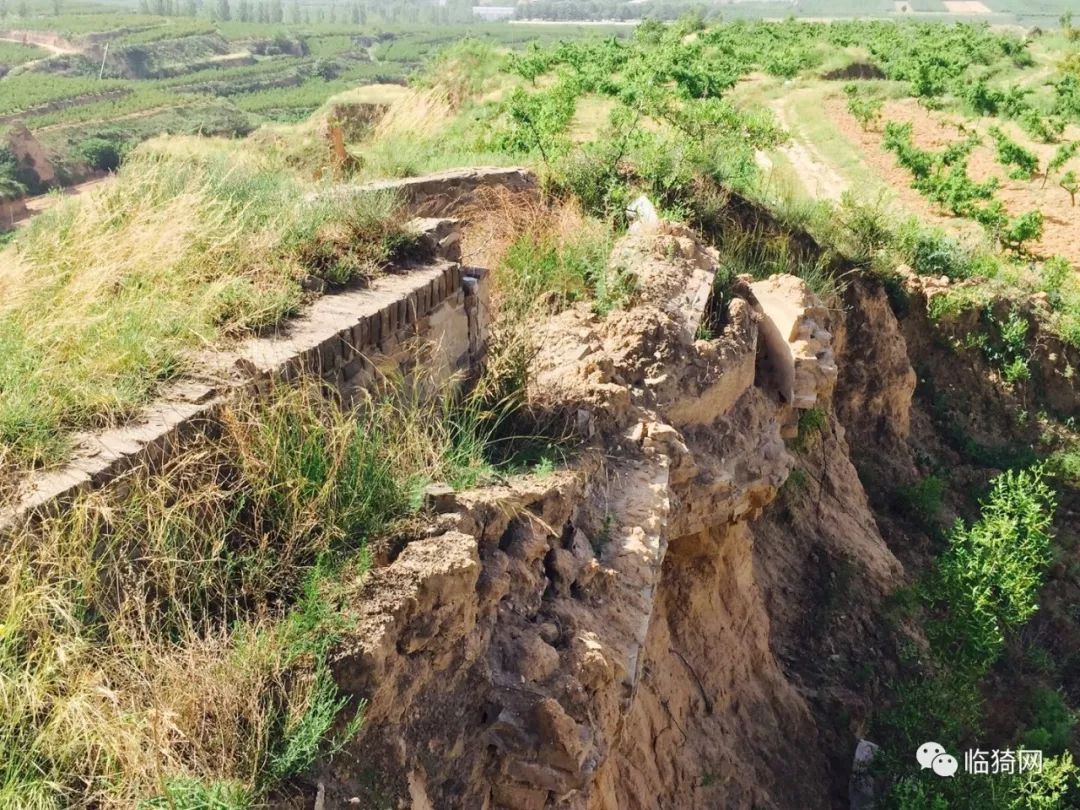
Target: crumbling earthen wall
[[599, 638]]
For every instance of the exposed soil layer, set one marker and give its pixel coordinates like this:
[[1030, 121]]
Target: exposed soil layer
[[691, 614], [856, 70]]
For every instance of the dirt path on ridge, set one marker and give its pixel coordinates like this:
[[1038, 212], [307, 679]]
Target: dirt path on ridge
[[815, 173], [46, 42], [51, 47]]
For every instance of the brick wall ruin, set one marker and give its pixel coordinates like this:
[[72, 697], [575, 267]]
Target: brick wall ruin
[[349, 338]]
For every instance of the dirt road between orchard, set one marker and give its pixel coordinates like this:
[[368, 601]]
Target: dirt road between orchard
[[48, 42], [815, 173], [43, 202]]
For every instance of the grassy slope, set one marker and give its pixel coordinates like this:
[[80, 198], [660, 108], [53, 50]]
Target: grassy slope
[[201, 679], [101, 306]]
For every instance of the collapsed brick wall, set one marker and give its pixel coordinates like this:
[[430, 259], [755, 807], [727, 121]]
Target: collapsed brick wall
[[350, 339]]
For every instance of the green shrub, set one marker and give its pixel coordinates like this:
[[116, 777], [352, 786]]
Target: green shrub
[[1028, 227], [1045, 128], [866, 228], [864, 107], [989, 578], [101, 154], [1054, 279], [538, 121], [1051, 723], [1064, 465], [1008, 353], [930, 252], [985, 586], [796, 482], [300, 740], [923, 499], [10, 185], [811, 423]]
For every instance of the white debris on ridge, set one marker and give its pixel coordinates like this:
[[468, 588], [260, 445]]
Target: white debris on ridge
[[641, 212]]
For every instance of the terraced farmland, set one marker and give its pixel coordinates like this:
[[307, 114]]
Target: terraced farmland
[[89, 86]]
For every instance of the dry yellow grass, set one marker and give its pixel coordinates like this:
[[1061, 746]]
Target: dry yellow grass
[[145, 646], [165, 640], [421, 113], [370, 94], [107, 711], [196, 241], [498, 217], [590, 117]]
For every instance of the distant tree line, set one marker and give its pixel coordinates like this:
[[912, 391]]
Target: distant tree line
[[274, 11], [615, 10]]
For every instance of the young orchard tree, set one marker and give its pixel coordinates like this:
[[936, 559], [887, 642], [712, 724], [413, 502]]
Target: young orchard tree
[[1071, 183], [866, 109], [1062, 155], [1010, 153], [1027, 227]]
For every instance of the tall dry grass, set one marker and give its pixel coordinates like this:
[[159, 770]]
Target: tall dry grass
[[164, 640], [422, 113], [445, 120], [104, 298], [543, 253]]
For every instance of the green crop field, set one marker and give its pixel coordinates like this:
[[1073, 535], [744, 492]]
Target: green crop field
[[85, 71]]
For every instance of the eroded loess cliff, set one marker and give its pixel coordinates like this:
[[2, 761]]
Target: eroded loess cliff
[[676, 620]]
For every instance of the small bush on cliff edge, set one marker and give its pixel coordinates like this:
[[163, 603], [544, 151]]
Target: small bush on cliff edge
[[101, 154], [812, 422]]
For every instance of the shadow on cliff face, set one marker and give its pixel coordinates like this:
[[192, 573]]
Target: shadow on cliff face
[[901, 457]]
